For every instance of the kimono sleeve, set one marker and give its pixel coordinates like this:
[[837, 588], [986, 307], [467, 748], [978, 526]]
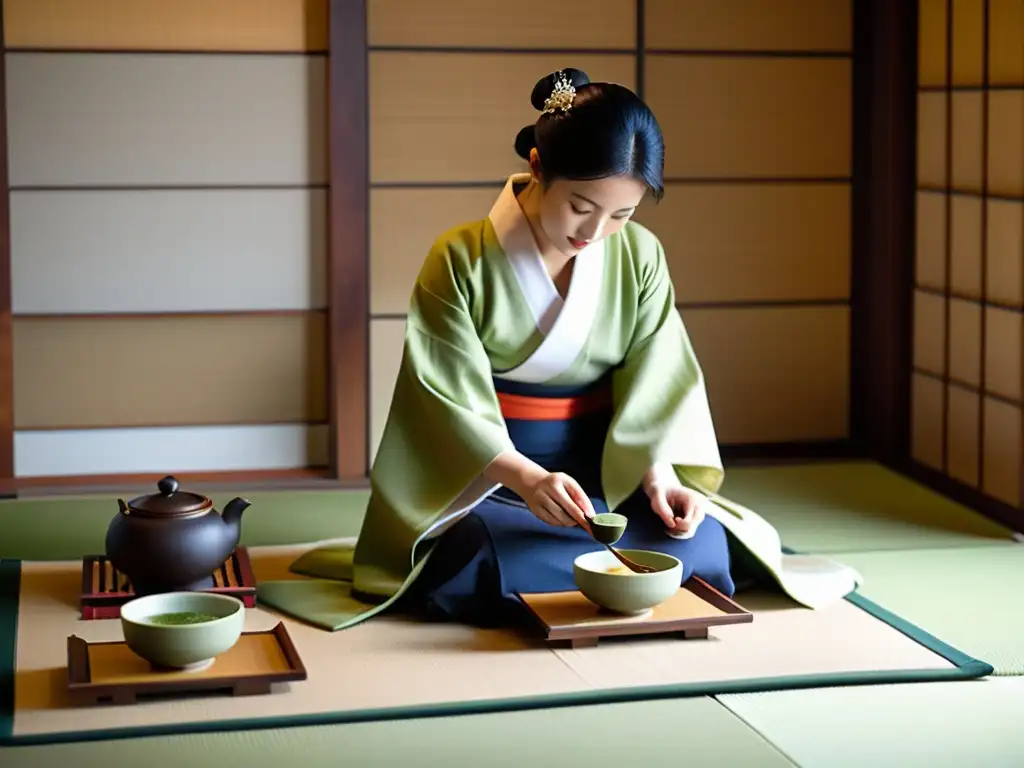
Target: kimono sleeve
[[444, 427], [662, 413]]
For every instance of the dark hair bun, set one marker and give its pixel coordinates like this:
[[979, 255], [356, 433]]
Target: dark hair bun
[[527, 137], [544, 87], [526, 140]]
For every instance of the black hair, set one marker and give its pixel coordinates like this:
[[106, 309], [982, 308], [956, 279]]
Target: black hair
[[608, 131]]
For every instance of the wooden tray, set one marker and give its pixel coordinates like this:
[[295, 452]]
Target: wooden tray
[[105, 589], [570, 618], [110, 673]]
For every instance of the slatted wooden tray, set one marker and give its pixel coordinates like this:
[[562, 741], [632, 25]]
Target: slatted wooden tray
[[570, 618], [110, 673], [105, 589]]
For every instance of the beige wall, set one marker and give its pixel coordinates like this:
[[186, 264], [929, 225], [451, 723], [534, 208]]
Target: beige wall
[[167, 164], [969, 302], [762, 267]]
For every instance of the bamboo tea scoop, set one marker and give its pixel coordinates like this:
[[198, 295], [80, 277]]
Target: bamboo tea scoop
[[607, 528]]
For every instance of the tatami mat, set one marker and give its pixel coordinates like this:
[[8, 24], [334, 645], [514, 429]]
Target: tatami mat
[[856, 507], [975, 723], [840, 507], [700, 732], [972, 598]]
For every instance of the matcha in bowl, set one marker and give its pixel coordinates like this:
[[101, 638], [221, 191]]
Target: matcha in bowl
[[182, 630]]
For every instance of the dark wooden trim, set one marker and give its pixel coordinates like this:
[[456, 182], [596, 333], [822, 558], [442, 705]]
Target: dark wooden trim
[[984, 301], [1006, 514], [971, 88], [798, 452], [882, 216], [947, 312], [723, 53], [134, 188], [952, 191], [6, 321], [204, 314], [318, 478], [348, 271], [501, 50], [983, 250], [112, 51]]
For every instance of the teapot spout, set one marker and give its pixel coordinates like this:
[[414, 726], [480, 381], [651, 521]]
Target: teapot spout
[[232, 514]]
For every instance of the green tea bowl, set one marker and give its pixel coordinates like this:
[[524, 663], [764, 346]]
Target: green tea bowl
[[182, 630], [609, 584]]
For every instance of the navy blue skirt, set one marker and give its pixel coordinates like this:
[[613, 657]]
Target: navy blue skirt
[[500, 548]]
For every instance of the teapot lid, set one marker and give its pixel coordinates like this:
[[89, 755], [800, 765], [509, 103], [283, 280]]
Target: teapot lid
[[169, 502]]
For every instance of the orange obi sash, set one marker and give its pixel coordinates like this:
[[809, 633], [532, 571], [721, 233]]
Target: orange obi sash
[[533, 408]]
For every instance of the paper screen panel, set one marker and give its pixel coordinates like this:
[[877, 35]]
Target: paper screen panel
[[1005, 252], [154, 119], [404, 224], [968, 26], [1006, 42], [926, 420], [774, 374], [965, 341], [760, 117], [386, 341], [749, 25], [931, 49], [168, 251], [1004, 342], [962, 434], [1003, 459], [929, 332], [1006, 143], [437, 117], [152, 25], [754, 241], [931, 139], [82, 372], [966, 139], [159, 450], [965, 245], [500, 24], [931, 240]]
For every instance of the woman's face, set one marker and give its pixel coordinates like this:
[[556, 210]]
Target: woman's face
[[574, 214]]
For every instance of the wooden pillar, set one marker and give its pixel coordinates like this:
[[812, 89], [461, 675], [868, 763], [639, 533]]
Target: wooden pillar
[[348, 254]]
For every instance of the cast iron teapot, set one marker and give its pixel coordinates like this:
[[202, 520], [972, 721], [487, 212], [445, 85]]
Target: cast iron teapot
[[172, 540]]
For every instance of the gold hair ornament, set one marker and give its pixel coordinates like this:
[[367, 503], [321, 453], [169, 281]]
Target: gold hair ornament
[[562, 95]]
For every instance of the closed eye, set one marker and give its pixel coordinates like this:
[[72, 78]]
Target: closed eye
[[577, 210]]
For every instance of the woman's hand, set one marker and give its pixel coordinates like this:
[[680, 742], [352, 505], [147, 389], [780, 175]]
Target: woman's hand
[[557, 499], [681, 509], [553, 497]]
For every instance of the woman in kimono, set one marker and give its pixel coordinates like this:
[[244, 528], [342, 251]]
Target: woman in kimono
[[546, 376]]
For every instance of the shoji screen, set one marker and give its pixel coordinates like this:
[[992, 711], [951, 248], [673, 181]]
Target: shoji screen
[[168, 230], [969, 299], [754, 99]]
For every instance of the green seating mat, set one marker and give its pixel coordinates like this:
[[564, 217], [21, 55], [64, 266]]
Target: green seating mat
[[612, 735], [938, 725]]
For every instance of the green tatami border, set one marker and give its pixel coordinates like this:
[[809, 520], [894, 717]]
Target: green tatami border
[[965, 668]]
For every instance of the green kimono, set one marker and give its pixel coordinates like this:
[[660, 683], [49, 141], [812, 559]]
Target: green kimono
[[484, 307]]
